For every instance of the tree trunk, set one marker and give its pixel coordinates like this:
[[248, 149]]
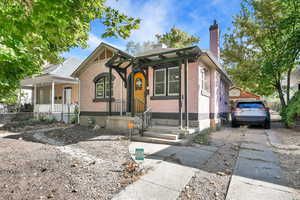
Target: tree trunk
[[288, 85], [281, 95]]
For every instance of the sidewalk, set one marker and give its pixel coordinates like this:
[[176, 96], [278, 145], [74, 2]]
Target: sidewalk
[[171, 168], [257, 174]]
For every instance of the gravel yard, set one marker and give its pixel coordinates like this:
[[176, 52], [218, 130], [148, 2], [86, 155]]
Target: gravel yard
[[72, 163]]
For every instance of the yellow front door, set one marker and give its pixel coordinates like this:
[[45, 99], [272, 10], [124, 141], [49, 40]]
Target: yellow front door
[[139, 92]]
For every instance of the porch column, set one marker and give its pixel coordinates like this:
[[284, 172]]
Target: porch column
[[110, 89], [34, 97], [121, 111], [62, 104], [186, 92], [52, 96]]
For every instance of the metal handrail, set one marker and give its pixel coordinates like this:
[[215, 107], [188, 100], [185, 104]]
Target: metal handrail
[[146, 119]]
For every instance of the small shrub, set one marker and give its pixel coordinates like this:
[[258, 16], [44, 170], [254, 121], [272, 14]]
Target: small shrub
[[292, 110], [203, 136]]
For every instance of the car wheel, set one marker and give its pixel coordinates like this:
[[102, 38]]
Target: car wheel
[[267, 125], [234, 125]]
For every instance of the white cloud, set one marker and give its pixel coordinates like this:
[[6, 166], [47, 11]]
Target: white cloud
[[93, 41], [157, 16]]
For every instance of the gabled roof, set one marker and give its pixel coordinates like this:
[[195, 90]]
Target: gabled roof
[[55, 72], [64, 69], [97, 50]]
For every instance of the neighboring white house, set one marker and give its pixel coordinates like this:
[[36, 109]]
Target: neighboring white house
[[295, 80], [54, 90]]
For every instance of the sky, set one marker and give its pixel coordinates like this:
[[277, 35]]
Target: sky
[[159, 16]]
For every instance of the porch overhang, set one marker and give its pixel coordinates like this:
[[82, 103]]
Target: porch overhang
[[121, 61], [47, 79]]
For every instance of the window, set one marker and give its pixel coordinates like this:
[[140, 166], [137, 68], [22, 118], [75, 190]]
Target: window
[[166, 82], [160, 82], [173, 81], [250, 105], [102, 88], [205, 82]]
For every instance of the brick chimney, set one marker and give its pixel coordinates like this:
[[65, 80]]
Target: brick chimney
[[214, 40]]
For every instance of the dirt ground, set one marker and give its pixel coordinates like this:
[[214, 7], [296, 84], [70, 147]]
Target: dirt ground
[[74, 163], [28, 125], [220, 167], [289, 154]]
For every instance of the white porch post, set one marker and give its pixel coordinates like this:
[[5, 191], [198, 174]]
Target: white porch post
[[52, 96], [34, 97], [62, 104]]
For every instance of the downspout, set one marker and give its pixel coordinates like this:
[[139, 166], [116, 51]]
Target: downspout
[[187, 87]]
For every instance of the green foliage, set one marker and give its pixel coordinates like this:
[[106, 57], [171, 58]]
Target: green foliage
[[177, 38], [203, 136], [35, 31], [292, 111], [264, 45]]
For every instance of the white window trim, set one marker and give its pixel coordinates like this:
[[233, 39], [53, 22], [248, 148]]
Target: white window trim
[[165, 86], [172, 94], [204, 91]]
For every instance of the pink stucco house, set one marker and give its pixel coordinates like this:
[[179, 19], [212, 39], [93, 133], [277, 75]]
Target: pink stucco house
[[186, 88]]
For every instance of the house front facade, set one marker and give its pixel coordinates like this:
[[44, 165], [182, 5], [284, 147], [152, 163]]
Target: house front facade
[[54, 91], [185, 87]]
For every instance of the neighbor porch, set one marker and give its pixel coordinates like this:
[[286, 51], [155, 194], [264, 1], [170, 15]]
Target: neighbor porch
[[54, 95]]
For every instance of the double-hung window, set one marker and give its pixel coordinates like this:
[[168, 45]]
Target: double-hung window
[[205, 81], [166, 81], [160, 82]]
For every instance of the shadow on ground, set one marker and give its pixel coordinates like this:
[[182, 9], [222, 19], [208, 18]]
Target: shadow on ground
[[67, 136]]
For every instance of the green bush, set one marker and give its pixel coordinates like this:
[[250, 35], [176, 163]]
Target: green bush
[[292, 111]]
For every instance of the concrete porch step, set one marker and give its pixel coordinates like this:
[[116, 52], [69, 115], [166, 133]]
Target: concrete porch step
[[167, 129], [173, 129], [157, 140], [160, 134]]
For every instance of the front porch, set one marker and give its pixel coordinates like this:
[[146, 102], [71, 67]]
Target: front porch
[[54, 96]]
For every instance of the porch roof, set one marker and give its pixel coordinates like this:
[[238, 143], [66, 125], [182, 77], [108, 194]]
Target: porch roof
[[121, 61], [45, 79]]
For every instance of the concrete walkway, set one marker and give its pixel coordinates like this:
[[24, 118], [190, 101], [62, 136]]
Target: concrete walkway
[[257, 174], [171, 168]]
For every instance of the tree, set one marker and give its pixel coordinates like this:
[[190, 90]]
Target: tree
[[137, 47], [177, 38], [33, 32], [264, 46]]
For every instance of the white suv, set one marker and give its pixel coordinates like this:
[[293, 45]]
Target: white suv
[[250, 113]]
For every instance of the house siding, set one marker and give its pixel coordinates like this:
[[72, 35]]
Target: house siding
[[87, 88]]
